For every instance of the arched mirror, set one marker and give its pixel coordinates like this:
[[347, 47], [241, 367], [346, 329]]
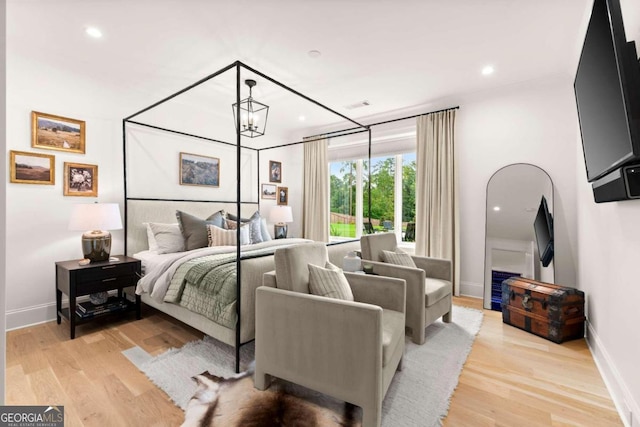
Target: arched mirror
[[519, 234]]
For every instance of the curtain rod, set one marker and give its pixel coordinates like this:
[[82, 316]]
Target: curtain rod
[[388, 121]]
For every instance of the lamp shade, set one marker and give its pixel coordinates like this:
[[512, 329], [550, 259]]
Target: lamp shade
[[95, 216], [281, 214]]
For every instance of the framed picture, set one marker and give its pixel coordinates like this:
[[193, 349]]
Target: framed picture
[[283, 195], [199, 170], [80, 180], [269, 191], [57, 133], [275, 171], [31, 168]]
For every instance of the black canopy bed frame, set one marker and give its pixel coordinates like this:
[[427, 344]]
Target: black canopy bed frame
[[238, 202]]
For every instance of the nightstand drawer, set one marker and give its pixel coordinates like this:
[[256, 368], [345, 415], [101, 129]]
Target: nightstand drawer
[[106, 284], [109, 271]]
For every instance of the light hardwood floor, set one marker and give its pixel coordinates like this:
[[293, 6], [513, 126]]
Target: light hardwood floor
[[511, 378]]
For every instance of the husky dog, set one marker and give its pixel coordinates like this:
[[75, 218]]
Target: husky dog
[[233, 402]]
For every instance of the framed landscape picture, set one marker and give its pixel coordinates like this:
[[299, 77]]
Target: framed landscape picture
[[80, 180], [269, 191], [275, 171], [31, 168], [199, 170], [283, 195], [57, 133]]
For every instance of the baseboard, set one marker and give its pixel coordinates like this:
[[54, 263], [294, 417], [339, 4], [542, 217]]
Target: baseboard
[[471, 289], [29, 316], [618, 390]]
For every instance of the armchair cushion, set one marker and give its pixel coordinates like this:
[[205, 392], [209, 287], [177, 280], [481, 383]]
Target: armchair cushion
[[399, 258], [329, 282], [435, 290]]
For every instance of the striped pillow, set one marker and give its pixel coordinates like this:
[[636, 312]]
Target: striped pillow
[[329, 282], [399, 258], [220, 237]]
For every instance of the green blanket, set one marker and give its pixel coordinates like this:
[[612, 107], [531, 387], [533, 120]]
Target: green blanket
[[207, 286]]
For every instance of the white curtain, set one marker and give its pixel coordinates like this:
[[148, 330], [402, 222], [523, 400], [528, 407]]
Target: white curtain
[[436, 190], [315, 221]]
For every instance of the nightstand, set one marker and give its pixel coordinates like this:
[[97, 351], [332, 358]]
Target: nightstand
[[76, 280]]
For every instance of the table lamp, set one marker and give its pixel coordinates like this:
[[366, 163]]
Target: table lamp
[[95, 220], [280, 216]]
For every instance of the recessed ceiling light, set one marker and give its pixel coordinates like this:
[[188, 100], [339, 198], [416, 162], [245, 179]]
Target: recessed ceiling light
[[496, 208], [314, 53], [94, 32], [488, 70], [302, 118]]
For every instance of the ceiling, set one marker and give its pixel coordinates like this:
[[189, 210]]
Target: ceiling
[[397, 54]]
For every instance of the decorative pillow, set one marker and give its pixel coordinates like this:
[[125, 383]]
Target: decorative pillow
[[399, 258], [194, 230], [256, 234], [266, 237], [217, 236], [167, 238], [329, 282], [220, 237], [151, 240]]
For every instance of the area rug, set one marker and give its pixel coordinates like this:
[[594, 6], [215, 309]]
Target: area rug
[[419, 395]]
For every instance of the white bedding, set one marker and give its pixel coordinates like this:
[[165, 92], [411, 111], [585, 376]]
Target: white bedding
[[159, 268]]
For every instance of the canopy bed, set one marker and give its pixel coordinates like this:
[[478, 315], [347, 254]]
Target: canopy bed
[[213, 214]]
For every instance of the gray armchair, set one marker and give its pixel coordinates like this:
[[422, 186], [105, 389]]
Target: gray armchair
[[429, 288], [346, 349]]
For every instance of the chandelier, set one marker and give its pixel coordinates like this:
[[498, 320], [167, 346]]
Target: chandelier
[[253, 114]]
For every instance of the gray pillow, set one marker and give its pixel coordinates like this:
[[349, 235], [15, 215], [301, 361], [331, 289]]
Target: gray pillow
[[398, 258], [194, 229], [329, 282], [258, 229]]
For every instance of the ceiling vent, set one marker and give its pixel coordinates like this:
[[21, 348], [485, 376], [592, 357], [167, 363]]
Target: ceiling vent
[[360, 104]]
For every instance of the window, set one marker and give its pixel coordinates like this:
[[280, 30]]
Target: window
[[392, 197]]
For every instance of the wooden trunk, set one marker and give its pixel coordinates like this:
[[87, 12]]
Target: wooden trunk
[[550, 311]]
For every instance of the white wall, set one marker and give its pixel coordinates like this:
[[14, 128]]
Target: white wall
[[3, 198], [532, 123], [609, 245]]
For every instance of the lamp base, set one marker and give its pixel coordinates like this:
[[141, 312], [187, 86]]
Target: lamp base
[[280, 231], [96, 245]]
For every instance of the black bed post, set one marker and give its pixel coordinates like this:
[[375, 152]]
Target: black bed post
[[124, 178], [238, 195]]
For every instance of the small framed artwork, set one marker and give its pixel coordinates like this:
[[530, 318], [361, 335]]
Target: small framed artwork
[[275, 171], [80, 180], [31, 168], [57, 133], [199, 170], [269, 191], [283, 195]]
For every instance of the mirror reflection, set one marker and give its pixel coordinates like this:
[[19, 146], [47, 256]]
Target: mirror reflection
[[519, 234]]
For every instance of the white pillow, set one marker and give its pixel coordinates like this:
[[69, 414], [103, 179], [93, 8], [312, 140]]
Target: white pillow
[[266, 237], [329, 282], [221, 237], [164, 238]]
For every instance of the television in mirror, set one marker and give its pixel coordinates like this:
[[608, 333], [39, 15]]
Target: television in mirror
[[543, 227]]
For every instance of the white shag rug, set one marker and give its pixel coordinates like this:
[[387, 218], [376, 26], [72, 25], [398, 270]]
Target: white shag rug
[[419, 395]]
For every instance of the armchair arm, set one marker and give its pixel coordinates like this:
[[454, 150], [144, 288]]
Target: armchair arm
[[386, 292], [437, 268], [269, 279], [329, 345]]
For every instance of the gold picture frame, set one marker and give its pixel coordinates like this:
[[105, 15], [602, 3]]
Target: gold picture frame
[[31, 168], [52, 132], [269, 191], [196, 169], [80, 180], [283, 196]]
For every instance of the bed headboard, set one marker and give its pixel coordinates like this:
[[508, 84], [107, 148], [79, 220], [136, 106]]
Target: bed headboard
[[141, 211]]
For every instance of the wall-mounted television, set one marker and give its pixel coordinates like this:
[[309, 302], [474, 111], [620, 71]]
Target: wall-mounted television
[[543, 227], [607, 90]]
